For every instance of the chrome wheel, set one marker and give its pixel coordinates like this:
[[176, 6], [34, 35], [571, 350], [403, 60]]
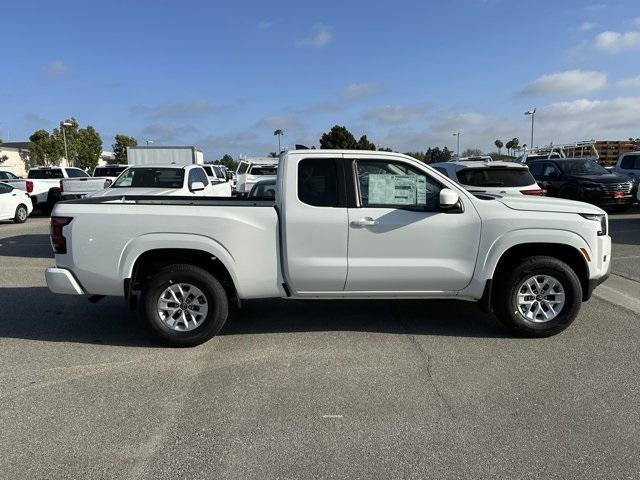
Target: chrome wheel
[[22, 214], [540, 298], [182, 307]]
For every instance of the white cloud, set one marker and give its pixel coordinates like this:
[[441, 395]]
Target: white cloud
[[55, 69], [595, 7], [173, 110], [160, 133], [245, 142], [616, 42], [288, 124], [586, 26], [395, 114], [636, 21], [629, 83], [356, 91], [320, 36], [267, 24], [571, 82]]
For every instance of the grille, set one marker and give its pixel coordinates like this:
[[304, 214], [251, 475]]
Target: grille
[[617, 187]]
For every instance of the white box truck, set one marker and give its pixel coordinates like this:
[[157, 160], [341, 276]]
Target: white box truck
[[140, 156]]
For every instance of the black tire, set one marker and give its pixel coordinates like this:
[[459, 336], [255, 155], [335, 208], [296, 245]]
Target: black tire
[[21, 214], [507, 287], [216, 298]]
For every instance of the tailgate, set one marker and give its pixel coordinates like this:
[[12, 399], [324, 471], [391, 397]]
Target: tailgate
[[83, 185]]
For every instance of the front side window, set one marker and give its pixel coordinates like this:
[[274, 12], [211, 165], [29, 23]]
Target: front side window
[[550, 171], [318, 182], [150, 178], [243, 167], [7, 176], [4, 188], [631, 162], [397, 185], [496, 177], [263, 170]]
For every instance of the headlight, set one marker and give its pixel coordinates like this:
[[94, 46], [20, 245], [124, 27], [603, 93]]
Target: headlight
[[602, 219]]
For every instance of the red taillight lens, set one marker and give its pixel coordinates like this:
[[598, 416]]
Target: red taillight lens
[[540, 192], [29, 185], [61, 187], [58, 242]]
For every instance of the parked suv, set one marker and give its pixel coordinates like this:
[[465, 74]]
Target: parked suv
[[502, 178], [584, 180]]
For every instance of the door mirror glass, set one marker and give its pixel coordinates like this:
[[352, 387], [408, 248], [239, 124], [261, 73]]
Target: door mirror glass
[[196, 187], [448, 198]]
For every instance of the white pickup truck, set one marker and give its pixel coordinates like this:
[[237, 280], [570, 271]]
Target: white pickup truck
[[103, 176], [344, 225], [43, 184]]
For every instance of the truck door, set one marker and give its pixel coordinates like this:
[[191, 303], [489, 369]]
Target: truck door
[[399, 239], [314, 224]]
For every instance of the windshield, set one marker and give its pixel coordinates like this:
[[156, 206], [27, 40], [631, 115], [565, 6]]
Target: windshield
[[108, 171], [42, 173], [582, 167], [7, 176], [496, 177], [150, 178], [263, 170]]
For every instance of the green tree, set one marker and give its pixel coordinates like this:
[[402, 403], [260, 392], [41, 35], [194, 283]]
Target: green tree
[[515, 142], [338, 138], [365, 144], [471, 152], [44, 150], [498, 143], [273, 154], [120, 147], [88, 148], [228, 161]]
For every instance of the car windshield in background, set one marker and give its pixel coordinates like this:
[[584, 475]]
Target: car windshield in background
[[150, 178], [496, 177], [108, 171], [263, 171], [582, 167], [45, 173]]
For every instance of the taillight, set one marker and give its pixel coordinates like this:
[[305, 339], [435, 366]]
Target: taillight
[[29, 185], [61, 186], [540, 192], [58, 242]]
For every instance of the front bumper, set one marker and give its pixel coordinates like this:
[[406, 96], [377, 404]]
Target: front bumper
[[61, 280]]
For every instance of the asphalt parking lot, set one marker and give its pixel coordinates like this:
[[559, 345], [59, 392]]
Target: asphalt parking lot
[[294, 390]]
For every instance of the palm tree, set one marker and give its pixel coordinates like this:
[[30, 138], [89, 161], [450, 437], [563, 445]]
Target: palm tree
[[499, 145], [279, 132]]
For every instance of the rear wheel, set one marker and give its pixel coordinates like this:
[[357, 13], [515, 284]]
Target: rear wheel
[[184, 305], [540, 297], [21, 214]]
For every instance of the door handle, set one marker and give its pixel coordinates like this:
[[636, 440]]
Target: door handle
[[364, 222]]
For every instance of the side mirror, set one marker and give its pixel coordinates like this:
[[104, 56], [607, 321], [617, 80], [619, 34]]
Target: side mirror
[[196, 187], [448, 198]]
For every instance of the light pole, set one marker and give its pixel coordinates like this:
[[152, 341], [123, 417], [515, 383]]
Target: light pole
[[533, 119], [457, 134], [279, 132], [149, 142], [64, 138]]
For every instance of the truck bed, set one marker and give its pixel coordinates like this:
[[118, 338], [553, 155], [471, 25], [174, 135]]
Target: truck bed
[[108, 234]]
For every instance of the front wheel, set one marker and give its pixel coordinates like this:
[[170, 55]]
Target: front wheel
[[540, 297], [184, 305], [21, 214]]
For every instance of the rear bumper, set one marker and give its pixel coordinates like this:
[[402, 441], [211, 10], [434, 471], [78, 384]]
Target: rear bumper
[[61, 280]]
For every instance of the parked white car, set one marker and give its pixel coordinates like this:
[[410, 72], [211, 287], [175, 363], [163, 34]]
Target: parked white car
[[344, 224], [219, 181], [253, 170], [15, 204], [102, 178], [43, 184], [501, 178], [173, 180], [4, 175]]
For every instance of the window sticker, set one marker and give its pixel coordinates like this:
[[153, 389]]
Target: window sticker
[[385, 189]]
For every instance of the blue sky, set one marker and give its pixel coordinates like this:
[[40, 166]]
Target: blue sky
[[224, 75]]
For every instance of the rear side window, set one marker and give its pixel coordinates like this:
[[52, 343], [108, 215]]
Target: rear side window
[[45, 173], [496, 177], [4, 188], [76, 173], [150, 178], [318, 182], [258, 170]]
